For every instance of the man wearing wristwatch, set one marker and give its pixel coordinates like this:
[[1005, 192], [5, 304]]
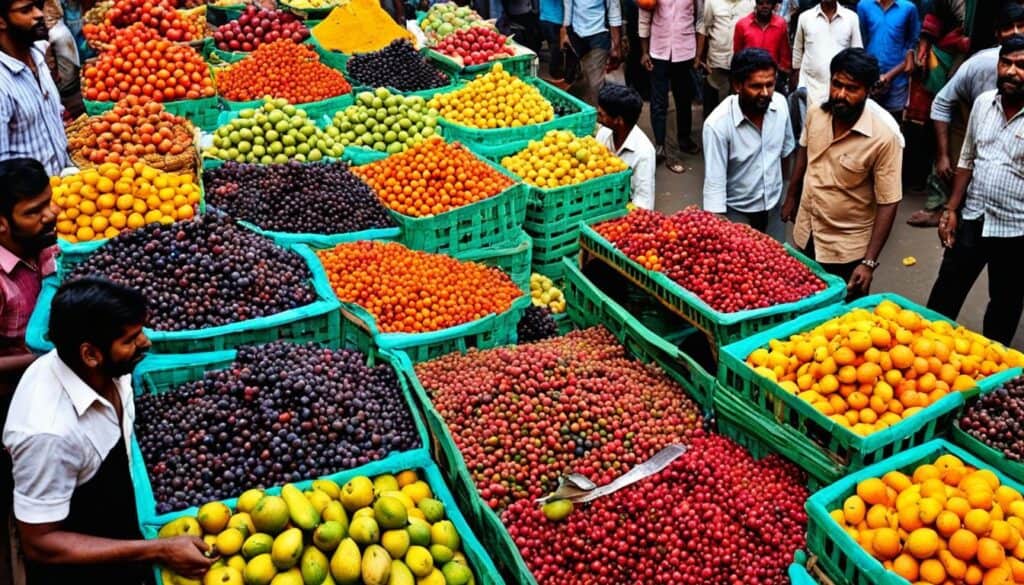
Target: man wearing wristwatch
[[983, 224], [848, 168]]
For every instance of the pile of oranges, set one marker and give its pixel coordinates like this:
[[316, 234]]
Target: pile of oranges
[[141, 63], [946, 523], [561, 158], [869, 370], [432, 178], [98, 203], [130, 131], [415, 292], [281, 69], [494, 100]]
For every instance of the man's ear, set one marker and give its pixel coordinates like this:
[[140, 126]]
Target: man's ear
[[90, 355], [5, 224]]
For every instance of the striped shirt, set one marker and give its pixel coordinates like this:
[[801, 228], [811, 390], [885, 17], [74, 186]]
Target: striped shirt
[[30, 113], [994, 150]]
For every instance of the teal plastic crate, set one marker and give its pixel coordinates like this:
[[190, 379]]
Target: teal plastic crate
[[335, 59], [492, 222], [722, 328], [494, 143], [162, 373], [513, 259], [202, 112], [316, 110], [993, 457], [358, 155], [360, 330], [318, 321], [522, 65], [550, 210], [215, 56], [550, 246], [798, 573], [835, 441], [842, 558]]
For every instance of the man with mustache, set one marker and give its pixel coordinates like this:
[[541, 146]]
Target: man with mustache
[[746, 139], [848, 166], [30, 108], [68, 432], [983, 223]]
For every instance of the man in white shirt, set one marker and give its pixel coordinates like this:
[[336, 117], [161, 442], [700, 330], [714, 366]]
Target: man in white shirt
[[68, 432], [715, 30], [821, 33], [618, 109], [746, 139]]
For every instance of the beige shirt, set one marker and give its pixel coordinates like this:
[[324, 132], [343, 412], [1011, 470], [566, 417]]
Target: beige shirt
[[847, 178], [718, 25]]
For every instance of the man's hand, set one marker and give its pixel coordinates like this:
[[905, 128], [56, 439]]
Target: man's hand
[[789, 207], [860, 280], [921, 57], [645, 60], [184, 555], [700, 65], [882, 86], [947, 228], [615, 55], [944, 168], [563, 38]]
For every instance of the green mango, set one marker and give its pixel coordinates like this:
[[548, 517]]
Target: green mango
[[328, 535], [346, 563], [257, 544], [400, 574], [314, 566], [290, 577], [287, 549], [302, 512], [260, 570], [328, 487]]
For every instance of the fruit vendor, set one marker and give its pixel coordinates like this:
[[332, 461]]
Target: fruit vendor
[[68, 431], [30, 108], [618, 109], [746, 139], [983, 224], [849, 168]]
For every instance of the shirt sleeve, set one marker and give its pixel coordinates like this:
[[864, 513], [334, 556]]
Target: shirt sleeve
[[642, 182], [738, 40], [614, 13], [716, 161], [798, 43], [913, 31], [566, 13], [856, 41], [888, 172], [955, 90], [788, 141], [807, 123], [705, 19], [786, 61], [5, 117], [643, 24], [46, 468], [969, 150]]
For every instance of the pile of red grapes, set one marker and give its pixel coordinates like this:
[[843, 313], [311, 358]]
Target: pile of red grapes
[[730, 266], [257, 26], [997, 419], [714, 515]]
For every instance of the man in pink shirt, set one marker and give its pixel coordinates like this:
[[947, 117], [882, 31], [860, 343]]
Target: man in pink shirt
[[668, 35], [28, 249]]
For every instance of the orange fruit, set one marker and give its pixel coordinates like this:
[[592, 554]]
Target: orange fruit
[[847, 375], [947, 523], [925, 472], [910, 517], [932, 571], [857, 401], [991, 554], [998, 576], [959, 506], [878, 516], [1004, 534], [963, 544], [955, 568], [880, 338], [978, 522], [844, 356], [906, 566], [868, 373], [896, 480], [922, 543], [980, 497], [902, 356], [974, 575], [886, 544]]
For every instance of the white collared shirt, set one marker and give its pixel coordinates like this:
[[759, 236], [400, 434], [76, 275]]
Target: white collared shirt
[[817, 41], [637, 152], [743, 164], [59, 431]]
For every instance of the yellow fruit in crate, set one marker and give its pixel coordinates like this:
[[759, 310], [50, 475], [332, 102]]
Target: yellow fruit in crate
[[494, 100], [560, 158]]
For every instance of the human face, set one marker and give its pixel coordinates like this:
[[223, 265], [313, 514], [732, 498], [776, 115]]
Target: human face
[[32, 222], [1014, 28], [126, 352], [24, 22], [847, 97], [609, 121], [763, 9], [1010, 75], [755, 94]]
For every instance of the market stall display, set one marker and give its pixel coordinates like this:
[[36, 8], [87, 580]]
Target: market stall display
[[161, 16], [537, 324], [255, 26], [380, 123], [275, 132], [132, 131], [445, 18], [989, 428], [358, 26], [281, 69], [475, 45], [398, 66]]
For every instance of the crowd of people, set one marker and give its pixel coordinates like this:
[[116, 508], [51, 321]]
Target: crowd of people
[[818, 114]]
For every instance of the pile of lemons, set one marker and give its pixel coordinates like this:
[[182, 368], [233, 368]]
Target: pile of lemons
[[494, 100], [98, 203], [561, 158], [543, 293]]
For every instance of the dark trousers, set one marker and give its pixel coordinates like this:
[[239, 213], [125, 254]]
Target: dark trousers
[[667, 74], [844, 270], [961, 266]]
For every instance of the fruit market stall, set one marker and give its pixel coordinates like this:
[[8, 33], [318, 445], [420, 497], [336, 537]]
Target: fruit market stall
[[464, 44]]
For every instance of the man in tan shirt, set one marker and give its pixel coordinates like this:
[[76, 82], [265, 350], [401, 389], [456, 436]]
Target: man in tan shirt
[[848, 165]]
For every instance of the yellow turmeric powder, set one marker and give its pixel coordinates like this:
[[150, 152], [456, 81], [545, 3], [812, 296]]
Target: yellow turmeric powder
[[358, 26]]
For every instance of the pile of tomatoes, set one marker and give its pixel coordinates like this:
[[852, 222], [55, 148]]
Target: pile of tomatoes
[[282, 69], [141, 63], [130, 131], [159, 15]]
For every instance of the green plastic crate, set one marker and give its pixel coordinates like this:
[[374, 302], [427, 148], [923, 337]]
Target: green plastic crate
[[318, 321], [842, 558], [494, 143], [358, 155], [722, 328], [551, 246], [214, 55], [316, 110], [835, 441], [202, 112], [550, 210], [492, 222], [522, 65], [221, 15], [513, 260], [798, 571], [335, 59], [638, 341], [994, 457]]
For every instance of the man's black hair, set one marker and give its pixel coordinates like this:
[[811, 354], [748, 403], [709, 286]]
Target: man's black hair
[[20, 179], [93, 310], [1012, 45], [1010, 13], [749, 61], [620, 101], [858, 64]]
